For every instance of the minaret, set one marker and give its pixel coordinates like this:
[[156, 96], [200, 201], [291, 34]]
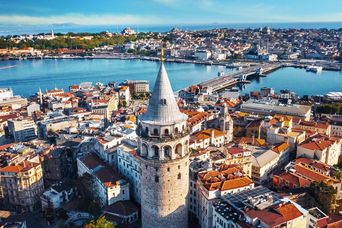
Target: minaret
[[40, 96], [164, 155], [52, 34]]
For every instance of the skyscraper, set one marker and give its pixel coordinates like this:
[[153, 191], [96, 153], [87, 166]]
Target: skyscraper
[[164, 154]]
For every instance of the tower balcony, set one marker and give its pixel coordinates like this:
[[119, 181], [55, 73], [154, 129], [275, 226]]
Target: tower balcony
[[162, 137]]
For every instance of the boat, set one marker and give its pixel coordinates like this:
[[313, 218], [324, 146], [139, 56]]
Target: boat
[[221, 73], [233, 89], [7, 67], [260, 71], [315, 69]]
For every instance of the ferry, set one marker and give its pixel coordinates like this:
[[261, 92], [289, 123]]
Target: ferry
[[315, 69], [260, 71]]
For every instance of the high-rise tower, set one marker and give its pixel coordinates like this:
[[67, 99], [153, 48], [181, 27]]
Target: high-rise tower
[[164, 154]]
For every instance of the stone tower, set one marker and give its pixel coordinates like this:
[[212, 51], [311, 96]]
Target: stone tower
[[164, 155]]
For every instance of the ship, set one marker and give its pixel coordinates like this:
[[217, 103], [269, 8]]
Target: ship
[[315, 69]]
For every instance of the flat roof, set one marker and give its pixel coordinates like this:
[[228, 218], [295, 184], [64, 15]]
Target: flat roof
[[240, 200]]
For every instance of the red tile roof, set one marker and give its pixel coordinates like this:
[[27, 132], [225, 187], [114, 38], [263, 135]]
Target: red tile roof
[[317, 144], [226, 178], [4, 147], [108, 177], [277, 215], [22, 167], [92, 161], [124, 208], [280, 148], [310, 174], [251, 141], [206, 134], [288, 211]]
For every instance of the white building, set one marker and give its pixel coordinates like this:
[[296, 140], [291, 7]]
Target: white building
[[202, 54], [282, 134], [228, 180], [124, 94], [274, 107], [108, 185], [22, 129], [141, 86], [129, 166], [33, 107], [225, 216], [321, 148], [208, 137], [336, 125], [219, 56], [56, 195], [263, 164], [105, 147], [269, 57], [5, 93]]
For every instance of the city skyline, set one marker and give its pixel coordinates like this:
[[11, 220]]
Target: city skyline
[[168, 12]]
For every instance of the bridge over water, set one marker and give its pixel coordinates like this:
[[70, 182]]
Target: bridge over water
[[222, 82]]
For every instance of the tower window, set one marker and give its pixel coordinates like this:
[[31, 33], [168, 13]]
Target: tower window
[[156, 178], [155, 131], [179, 176], [168, 169], [163, 101]]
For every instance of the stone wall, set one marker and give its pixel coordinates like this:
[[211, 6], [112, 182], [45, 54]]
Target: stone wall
[[164, 192]]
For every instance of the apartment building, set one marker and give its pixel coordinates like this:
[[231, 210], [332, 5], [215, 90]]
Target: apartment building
[[22, 184], [22, 129]]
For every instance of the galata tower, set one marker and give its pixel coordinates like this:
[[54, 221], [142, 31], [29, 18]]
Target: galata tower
[[164, 155]]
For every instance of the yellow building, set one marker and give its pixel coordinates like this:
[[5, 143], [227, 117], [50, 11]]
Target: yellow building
[[22, 184], [105, 106], [241, 157]]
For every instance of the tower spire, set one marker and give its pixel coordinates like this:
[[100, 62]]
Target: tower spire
[[162, 107]]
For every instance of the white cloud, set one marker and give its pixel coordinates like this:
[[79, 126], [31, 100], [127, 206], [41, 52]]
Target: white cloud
[[79, 19]]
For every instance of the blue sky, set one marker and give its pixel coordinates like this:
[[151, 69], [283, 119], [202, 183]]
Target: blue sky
[[92, 12]]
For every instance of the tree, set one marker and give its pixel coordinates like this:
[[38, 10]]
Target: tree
[[94, 207], [87, 188], [338, 175], [49, 213], [338, 165], [122, 104], [101, 222], [329, 108], [324, 194]]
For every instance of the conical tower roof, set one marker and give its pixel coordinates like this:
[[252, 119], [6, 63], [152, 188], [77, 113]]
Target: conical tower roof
[[162, 108]]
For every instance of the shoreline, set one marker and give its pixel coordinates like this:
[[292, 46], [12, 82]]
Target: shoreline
[[300, 63], [119, 57]]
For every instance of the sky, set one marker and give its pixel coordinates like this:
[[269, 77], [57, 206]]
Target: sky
[[93, 12]]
